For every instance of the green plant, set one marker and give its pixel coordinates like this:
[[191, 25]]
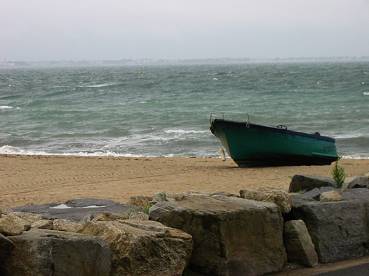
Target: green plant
[[338, 174], [146, 208]]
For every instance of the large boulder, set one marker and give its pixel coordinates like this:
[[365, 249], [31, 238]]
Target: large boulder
[[300, 248], [339, 229], [67, 225], [43, 224], [301, 183], [10, 225], [48, 252], [232, 236], [6, 246], [358, 182], [30, 217], [78, 209], [143, 247], [298, 199], [279, 197]]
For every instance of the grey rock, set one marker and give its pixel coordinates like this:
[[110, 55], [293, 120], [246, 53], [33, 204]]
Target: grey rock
[[139, 216], [299, 246], [43, 224], [66, 225], [30, 217], [339, 230], [140, 201], [330, 196], [357, 194], [279, 197], [298, 199], [308, 182], [78, 209], [224, 194], [10, 225], [231, 235], [158, 197], [48, 252], [359, 182], [6, 246], [143, 247]]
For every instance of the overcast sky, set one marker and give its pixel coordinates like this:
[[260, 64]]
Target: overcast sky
[[115, 29]]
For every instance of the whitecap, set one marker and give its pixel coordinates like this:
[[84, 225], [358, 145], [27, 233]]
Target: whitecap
[[347, 136], [355, 156], [6, 149], [3, 107], [98, 85], [10, 150], [61, 206], [215, 78], [366, 93], [185, 131], [94, 206]]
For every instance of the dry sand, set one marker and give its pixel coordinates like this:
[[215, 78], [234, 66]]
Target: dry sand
[[44, 179]]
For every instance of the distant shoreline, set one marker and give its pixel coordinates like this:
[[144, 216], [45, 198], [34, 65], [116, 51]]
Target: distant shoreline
[[6, 64]]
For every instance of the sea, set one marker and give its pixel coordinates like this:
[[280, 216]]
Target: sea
[[164, 109]]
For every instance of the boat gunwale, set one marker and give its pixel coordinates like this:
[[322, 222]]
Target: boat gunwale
[[274, 129]]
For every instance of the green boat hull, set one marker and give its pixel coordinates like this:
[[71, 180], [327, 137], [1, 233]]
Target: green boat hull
[[256, 145]]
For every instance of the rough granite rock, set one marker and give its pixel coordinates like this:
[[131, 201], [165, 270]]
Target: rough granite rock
[[139, 216], [48, 252], [78, 209], [143, 247], [30, 217], [330, 196], [232, 236], [11, 225], [359, 182], [279, 197], [6, 246], [357, 194], [300, 249], [298, 199], [109, 217], [67, 225], [158, 197], [339, 229], [307, 182], [140, 201], [43, 224]]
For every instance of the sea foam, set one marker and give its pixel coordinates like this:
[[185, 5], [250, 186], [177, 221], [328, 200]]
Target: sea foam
[[98, 85], [5, 107], [185, 131], [10, 150]]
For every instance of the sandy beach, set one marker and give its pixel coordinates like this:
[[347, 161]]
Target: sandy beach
[[43, 179]]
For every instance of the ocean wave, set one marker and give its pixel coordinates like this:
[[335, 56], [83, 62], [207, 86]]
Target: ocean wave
[[15, 150], [185, 131], [366, 93], [10, 150], [7, 107], [348, 136], [107, 84], [355, 156]]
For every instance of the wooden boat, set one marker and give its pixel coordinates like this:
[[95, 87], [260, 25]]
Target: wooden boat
[[257, 145]]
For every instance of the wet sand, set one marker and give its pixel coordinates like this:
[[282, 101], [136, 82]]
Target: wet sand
[[44, 179]]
